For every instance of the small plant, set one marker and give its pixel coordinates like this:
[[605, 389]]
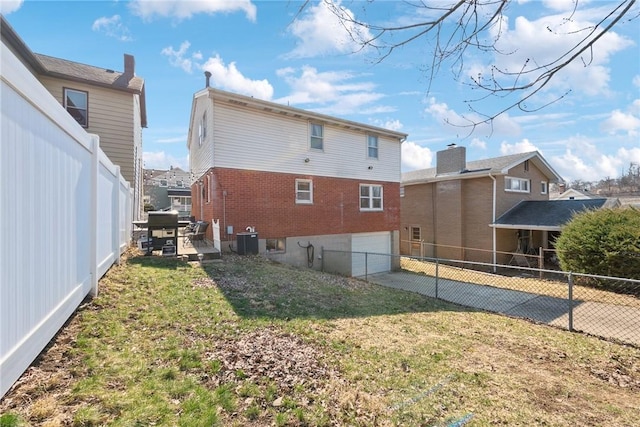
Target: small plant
[[9, 420]]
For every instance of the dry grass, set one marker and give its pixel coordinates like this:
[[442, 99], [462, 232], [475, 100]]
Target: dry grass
[[247, 342], [547, 287]]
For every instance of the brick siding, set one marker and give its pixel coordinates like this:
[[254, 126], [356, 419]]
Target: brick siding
[[266, 201]]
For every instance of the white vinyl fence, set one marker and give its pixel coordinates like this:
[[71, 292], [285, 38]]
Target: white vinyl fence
[[65, 217]]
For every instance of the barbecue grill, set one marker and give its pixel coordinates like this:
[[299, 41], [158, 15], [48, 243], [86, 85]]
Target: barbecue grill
[[162, 227]]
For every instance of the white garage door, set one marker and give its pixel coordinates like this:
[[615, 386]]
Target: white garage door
[[372, 243]]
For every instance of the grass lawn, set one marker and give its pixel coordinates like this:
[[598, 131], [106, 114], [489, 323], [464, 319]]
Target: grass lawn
[[249, 342]]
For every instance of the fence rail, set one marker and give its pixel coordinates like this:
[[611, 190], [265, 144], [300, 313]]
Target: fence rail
[[608, 307], [66, 217]]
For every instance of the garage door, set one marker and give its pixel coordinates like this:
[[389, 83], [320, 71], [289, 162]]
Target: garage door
[[372, 243]]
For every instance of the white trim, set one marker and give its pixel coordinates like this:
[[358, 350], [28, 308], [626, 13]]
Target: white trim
[[301, 201], [521, 180], [371, 198]]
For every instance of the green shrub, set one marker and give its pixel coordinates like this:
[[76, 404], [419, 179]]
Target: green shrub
[[603, 242]]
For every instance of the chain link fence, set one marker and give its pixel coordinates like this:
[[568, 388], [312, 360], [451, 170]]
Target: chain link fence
[[607, 307]]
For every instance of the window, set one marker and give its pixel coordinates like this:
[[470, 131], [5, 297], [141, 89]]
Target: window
[[164, 183], [370, 197], [372, 146], [180, 184], [76, 103], [415, 233], [317, 136], [276, 245], [401, 191], [544, 187], [202, 128], [516, 184], [304, 191], [526, 165]]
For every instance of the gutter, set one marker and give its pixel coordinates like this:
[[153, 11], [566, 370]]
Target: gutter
[[493, 220]]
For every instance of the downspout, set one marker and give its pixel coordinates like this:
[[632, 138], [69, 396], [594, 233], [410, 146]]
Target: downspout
[[493, 220]]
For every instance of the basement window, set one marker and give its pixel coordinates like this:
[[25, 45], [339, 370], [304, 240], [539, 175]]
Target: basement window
[[276, 245]]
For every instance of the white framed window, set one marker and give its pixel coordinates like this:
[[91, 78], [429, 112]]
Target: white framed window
[[518, 185], [370, 197], [317, 136], [276, 245], [416, 235], [164, 183], [544, 187], [304, 191], [372, 146], [401, 191], [76, 102], [180, 183], [202, 128]]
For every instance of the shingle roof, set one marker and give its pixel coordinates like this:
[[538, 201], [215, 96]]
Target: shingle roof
[[545, 214], [89, 73], [494, 166]]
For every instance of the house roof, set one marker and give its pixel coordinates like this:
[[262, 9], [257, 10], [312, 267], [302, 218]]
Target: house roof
[[547, 214], [573, 193], [285, 110], [484, 167], [57, 67], [179, 192], [74, 71]]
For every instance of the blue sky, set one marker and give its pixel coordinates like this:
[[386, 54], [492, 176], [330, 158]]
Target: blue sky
[[267, 50]]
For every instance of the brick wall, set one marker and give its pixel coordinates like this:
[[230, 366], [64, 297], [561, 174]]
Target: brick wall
[[266, 201]]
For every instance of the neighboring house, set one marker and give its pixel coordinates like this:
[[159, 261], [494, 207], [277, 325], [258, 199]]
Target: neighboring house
[[105, 102], [302, 180], [573, 194], [168, 190], [453, 207]]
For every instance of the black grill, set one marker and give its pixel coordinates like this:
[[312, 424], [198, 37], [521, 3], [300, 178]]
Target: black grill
[[163, 229], [163, 219]]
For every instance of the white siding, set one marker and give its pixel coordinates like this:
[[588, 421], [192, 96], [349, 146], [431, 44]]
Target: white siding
[[266, 141], [200, 156]]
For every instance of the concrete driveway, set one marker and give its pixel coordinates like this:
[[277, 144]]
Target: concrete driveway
[[604, 320]]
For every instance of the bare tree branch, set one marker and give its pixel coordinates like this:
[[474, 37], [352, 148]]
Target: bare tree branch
[[468, 25]]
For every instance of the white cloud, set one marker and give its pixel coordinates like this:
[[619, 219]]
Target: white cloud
[[636, 81], [179, 58], [415, 157], [524, 146], [181, 9], [321, 32], [478, 143], [455, 123], [8, 6], [541, 41], [112, 27], [619, 121], [583, 160], [162, 160], [228, 77], [334, 92]]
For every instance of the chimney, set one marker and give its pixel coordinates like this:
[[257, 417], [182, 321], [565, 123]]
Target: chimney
[[451, 160], [208, 76], [129, 65]]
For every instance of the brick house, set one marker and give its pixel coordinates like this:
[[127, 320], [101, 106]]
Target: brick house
[[298, 178], [451, 211], [108, 103]]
